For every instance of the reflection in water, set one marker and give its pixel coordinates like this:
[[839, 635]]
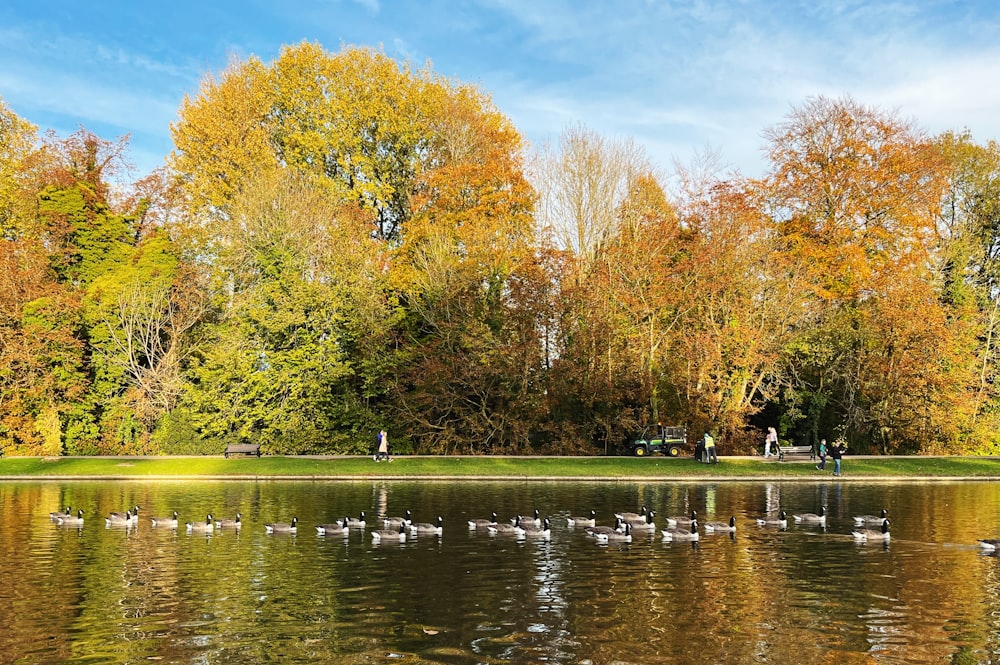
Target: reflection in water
[[805, 594]]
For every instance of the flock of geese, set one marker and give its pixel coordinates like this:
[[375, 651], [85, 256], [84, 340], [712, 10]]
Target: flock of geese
[[867, 528], [130, 519], [685, 527], [395, 528]]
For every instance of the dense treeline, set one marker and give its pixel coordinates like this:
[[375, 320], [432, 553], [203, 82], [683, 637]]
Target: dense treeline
[[340, 243]]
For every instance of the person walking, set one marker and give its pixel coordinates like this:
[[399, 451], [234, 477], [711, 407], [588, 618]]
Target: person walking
[[822, 455], [837, 452], [383, 447], [769, 440]]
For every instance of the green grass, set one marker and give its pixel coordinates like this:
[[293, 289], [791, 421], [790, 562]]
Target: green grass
[[491, 467]]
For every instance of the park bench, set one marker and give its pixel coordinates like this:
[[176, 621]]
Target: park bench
[[795, 451], [249, 449]]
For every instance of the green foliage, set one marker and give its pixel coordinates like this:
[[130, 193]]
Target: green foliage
[[93, 239], [178, 434]]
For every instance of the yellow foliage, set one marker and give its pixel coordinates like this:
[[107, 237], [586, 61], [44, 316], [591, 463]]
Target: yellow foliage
[[17, 142], [221, 140]]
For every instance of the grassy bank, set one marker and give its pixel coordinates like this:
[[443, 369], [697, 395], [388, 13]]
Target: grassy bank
[[491, 467]]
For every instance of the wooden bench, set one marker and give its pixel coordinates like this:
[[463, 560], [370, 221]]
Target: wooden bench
[[795, 451], [249, 449]]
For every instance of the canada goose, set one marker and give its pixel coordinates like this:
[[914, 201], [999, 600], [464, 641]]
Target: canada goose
[[721, 527], [169, 522], [631, 516], [781, 521], [644, 524], [871, 519], [504, 529], [128, 518], [867, 535], [812, 518], [480, 523], [595, 531], [336, 529], [230, 522], [680, 533], [682, 520], [281, 527], [624, 536], [524, 520], [583, 521], [394, 522], [390, 535], [208, 526], [119, 519], [356, 522], [71, 520], [60, 513], [427, 528], [543, 531], [989, 544]]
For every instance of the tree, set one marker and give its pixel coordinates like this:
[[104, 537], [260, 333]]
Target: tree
[[356, 122], [143, 314], [617, 318], [17, 148], [856, 195], [968, 270], [582, 185], [469, 354], [276, 366], [585, 185], [738, 298], [221, 141], [429, 168]]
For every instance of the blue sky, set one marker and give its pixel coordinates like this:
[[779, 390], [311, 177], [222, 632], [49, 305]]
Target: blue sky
[[680, 78]]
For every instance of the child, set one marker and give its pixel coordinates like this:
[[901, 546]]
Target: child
[[822, 455]]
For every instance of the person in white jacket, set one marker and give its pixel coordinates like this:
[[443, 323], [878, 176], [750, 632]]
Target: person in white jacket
[[769, 440]]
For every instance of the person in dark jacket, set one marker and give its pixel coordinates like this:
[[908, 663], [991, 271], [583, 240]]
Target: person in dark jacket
[[836, 453]]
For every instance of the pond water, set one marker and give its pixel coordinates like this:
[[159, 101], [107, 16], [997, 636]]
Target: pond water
[[805, 594]]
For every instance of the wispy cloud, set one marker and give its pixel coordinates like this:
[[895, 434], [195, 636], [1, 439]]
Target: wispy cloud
[[676, 76]]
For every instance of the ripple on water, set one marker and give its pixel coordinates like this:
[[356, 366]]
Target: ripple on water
[[798, 595]]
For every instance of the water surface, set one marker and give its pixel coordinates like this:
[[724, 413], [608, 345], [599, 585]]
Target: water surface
[[801, 595]]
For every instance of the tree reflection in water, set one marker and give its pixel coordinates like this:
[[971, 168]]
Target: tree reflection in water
[[805, 594]]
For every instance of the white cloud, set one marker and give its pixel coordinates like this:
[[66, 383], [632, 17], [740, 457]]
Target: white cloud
[[677, 77], [133, 110]]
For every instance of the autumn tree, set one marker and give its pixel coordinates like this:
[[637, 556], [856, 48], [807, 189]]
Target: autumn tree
[[967, 267], [357, 122], [586, 184], [221, 140], [17, 150], [856, 194], [59, 245], [582, 185], [41, 348], [276, 363], [469, 346], [428, 167]]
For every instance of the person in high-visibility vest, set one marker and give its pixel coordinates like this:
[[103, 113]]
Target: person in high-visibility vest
[[709, 445]]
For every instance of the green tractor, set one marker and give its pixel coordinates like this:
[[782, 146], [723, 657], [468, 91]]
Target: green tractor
[[668, 441]]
